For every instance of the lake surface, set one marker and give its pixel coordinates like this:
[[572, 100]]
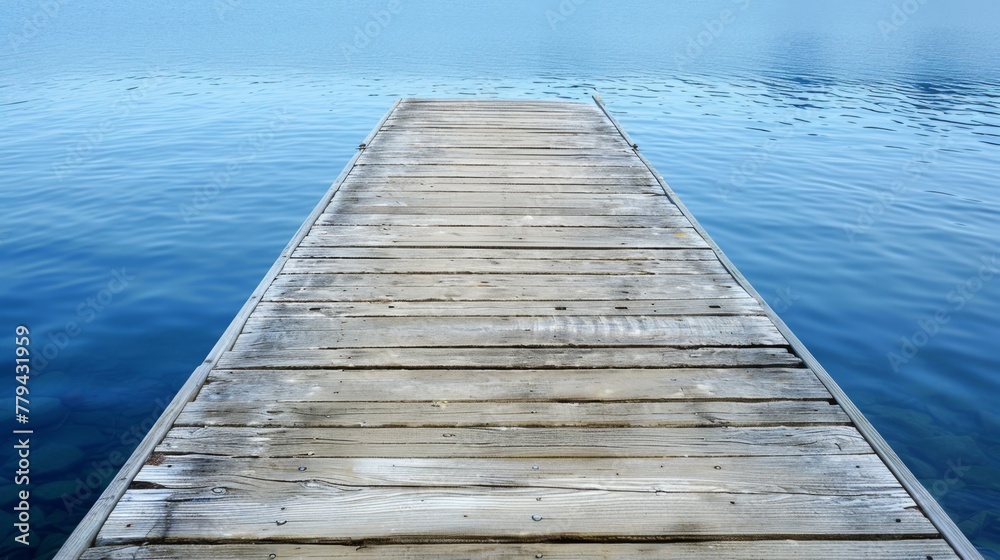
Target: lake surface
[[155, 158]]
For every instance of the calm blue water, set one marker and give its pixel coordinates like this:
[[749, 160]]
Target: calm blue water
[[155, 158]]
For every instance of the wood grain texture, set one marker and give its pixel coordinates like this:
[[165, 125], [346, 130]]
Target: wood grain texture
[[314, 512], [509, 358], [610, 308], [502, 220], [274, 333], [919, 549], [506, 441], [516, 236], [520, 385], [446, 414], [498, 266], [650, 256], [821, 475], [497, 287]]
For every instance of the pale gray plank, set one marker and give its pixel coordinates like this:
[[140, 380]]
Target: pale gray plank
[[504, 220], [610, 308], [496, 287], [261, 413], [271, 333], [317, 513], [920, 549], [514, 442], [651, 256], [509, 358], [497, 266], [824, 475], [455, 385]]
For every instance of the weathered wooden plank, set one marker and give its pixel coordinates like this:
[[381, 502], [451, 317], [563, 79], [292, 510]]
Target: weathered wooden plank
[[538, 140], [610, 308], [498, 266], [324, 514], [480, 186], [554, 153], [261, 413], [487, 292], [616, 282], [474, 114], [566, 137], [503, 203], [576, 122], [376, 207], [514, 442], [619, 254], [270, 333], [543, 184], [629, 330], [497, 126], [412, 115], [584, 120], [421, 157], [786, 549], [826, 475], [608, 281], [475, 109], [509, 358], [509, 140], [503, 200], [470, 105], [580, 122], [624, 172], [578, 385], [515, 236], [504, 220], [553, 156], [495, 287]]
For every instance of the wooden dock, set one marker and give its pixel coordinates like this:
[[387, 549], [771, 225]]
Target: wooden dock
[[501, 335]]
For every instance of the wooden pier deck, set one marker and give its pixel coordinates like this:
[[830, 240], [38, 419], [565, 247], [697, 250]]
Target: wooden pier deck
[[500, 335]]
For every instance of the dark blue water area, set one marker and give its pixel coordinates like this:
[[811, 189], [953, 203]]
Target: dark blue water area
[[155, 159]]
